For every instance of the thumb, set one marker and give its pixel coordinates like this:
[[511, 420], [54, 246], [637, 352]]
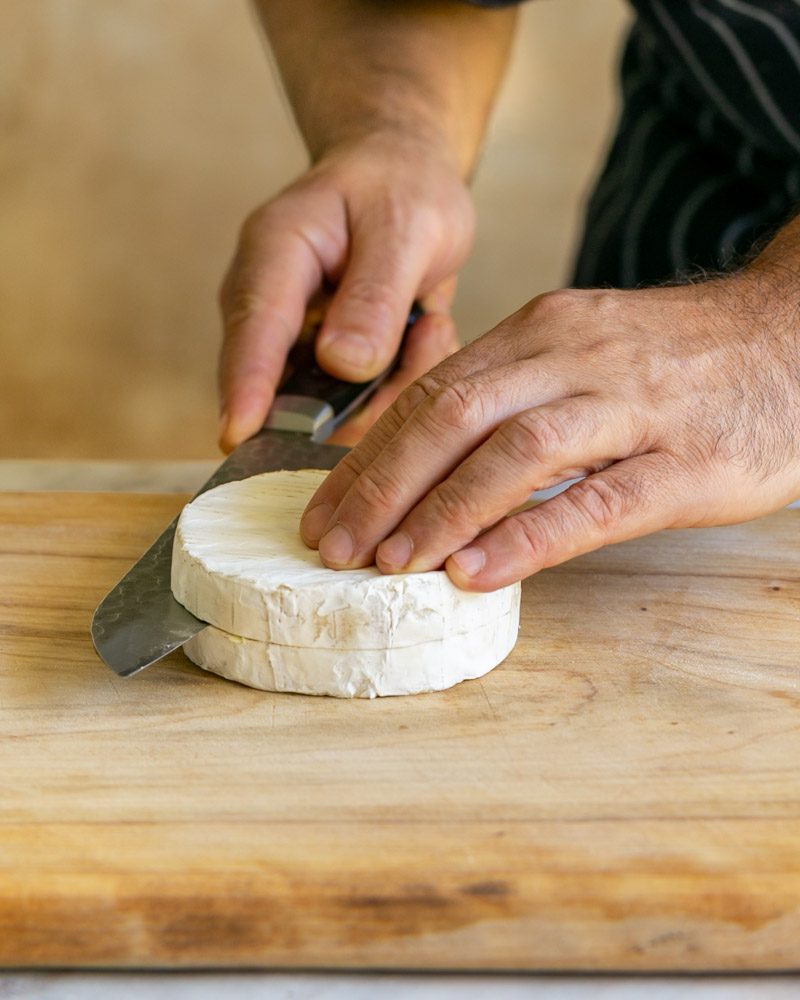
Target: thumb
[[366, 317], [432, 338]]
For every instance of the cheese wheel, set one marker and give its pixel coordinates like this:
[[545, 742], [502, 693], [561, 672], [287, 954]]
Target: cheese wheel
[[354, 673], [239, 563]]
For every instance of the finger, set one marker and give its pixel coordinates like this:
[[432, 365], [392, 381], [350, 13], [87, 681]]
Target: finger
[[439, 300], [453, 364], [367, 315], [632, 498], [432, 338], [508, 344], [438, 435], [323, 503], [263, 303], [534, 449], [477, 357]]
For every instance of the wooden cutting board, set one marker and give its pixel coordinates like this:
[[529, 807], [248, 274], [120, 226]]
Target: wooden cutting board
[[622, 793]]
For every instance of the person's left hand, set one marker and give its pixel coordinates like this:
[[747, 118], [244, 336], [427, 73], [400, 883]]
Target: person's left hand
[[680, 406]]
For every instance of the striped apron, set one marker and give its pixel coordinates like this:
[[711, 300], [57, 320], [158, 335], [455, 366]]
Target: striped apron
[[705, 162]]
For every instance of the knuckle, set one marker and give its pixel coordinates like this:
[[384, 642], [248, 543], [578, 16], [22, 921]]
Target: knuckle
[[418, 392], [554, 305], [529, 538], [243, 304], [240, 309], [388, 423], [450, 504], [373, 301], [240, 306], [377, 491], [396, 215], [606, 303], [351, 464], [427, 223], [256, 379], [458, 406], [405, 404], [599, 501], [532, 436]]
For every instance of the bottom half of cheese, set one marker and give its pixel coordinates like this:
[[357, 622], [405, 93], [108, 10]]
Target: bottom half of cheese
[[356, 673]]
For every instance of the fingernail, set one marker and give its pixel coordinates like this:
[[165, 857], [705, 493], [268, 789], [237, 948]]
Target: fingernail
[[224, 435], [314, 521], [233, 427], [470, 561], [337, 546], [395, 551], [353, 349]]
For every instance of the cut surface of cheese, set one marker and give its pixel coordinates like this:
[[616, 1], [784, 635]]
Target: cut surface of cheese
[[239, 563], [354, 673]]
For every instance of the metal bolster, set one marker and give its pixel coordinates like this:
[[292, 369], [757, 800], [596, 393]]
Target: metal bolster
[[301, 413]]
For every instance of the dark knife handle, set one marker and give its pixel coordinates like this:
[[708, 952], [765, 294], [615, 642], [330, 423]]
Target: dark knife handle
[[312, 401]]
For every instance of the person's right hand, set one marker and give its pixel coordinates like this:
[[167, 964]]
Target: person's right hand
[[386, 219]]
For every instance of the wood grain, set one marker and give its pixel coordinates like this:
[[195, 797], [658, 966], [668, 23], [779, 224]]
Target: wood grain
[[622, 793]]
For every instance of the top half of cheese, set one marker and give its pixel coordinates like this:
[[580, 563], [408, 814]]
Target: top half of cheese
[[240, 564]]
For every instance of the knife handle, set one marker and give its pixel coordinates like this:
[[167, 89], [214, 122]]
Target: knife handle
[[313, 402]]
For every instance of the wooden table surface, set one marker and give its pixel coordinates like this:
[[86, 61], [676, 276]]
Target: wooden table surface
[[622, 793]]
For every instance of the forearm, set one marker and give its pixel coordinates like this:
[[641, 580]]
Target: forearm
[[781, 257], [767, 296], [429, 70]]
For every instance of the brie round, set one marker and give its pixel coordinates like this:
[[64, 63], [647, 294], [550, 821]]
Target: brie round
[[356, 673], [239, 563]]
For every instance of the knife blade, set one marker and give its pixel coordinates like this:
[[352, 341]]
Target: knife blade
[[139, 621]]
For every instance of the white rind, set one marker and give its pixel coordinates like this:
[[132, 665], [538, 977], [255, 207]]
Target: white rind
[[239, 563], [429, 666]]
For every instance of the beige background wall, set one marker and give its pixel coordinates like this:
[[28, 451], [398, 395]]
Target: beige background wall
[[135, 135]]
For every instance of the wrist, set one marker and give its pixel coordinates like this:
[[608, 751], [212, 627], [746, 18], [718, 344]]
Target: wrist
[[352, 67], [392, 143], [776, 268]]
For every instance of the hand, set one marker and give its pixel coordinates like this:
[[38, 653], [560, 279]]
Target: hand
[[680, 406], [386, 219]]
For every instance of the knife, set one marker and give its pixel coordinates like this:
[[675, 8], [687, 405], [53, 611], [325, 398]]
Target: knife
[[139, 621]]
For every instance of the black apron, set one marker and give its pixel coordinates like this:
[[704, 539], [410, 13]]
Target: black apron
[[705, 162]]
